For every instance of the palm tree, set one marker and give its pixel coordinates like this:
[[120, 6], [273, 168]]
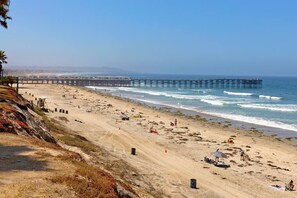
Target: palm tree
[[3, 58], [4, 4]]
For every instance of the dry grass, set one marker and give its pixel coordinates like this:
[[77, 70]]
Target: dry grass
[[43, 144], [54, 125], [62, 118], [43, 154], [78, 141], [89, 181], [38, 111]]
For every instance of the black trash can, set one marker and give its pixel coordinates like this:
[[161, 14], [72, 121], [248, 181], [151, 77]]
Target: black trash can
[[63, 111], [56, 109], [193, 183], [133, 151], [66, 111], [60, 110]]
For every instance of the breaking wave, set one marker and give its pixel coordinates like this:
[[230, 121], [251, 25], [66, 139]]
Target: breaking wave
[[271, 107], [213, 102], [270, 97], [238, 93], [258, 121]]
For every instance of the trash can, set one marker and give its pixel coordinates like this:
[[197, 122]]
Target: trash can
[[193, 183], [66, 111], [133, 151], [56, 109]]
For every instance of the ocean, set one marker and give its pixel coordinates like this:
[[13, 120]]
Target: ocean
[[272, 108]]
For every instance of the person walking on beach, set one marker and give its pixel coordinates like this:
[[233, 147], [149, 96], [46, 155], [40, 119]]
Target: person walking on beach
[[175, 122]]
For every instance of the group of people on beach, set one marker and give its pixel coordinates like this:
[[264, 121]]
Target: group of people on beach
[[153, 130]]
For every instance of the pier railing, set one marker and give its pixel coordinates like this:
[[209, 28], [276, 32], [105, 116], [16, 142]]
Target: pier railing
[[131, 82]]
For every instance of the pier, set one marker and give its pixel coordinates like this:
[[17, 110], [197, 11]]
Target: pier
[[114, 81], [209, 83]]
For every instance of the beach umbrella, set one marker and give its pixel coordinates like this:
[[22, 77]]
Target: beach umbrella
[[219, 154]]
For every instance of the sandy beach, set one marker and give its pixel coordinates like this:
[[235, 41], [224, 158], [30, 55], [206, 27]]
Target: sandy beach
[[165, 161]]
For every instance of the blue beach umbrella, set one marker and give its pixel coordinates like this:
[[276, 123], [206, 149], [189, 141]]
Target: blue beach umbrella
[[219, 154]]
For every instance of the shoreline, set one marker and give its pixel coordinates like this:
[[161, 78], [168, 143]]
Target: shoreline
[[167, 160], [226, 122]]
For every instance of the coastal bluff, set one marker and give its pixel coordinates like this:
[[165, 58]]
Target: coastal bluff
[[17, 116]]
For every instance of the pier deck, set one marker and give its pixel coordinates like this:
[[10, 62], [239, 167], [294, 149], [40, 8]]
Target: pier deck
[[131, 82]]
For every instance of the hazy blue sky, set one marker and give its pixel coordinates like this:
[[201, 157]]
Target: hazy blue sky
[[159, 36]]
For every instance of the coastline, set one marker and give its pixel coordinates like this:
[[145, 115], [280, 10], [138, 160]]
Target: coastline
[[270, 131], [165, 162]]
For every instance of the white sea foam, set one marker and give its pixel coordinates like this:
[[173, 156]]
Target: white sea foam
[[257, 120], [213, 102], [201, 91], [238, 93], [178, 106], [271, 107], [210, 99], [152, 93], [219, 101], [240, 118], [103, 88], [270, 97], [151, 101], [159, 93]]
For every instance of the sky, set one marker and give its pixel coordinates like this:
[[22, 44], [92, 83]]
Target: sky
[[218, 37]]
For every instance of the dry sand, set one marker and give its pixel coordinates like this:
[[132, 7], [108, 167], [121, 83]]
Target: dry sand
[[165, 162]]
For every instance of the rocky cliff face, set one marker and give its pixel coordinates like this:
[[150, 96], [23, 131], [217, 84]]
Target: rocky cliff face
[[16, 118]]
